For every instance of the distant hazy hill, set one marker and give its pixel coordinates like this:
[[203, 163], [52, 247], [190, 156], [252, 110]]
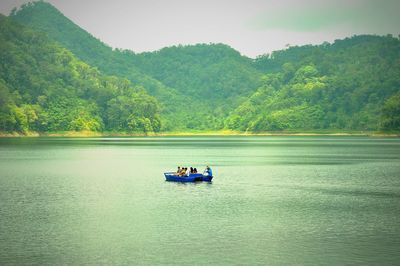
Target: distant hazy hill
[[44, 87], [352, 84]]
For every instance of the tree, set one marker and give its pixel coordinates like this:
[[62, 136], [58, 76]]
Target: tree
[[391, 113]]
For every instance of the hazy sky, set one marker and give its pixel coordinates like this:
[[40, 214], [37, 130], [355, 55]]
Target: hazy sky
[[253, 27]]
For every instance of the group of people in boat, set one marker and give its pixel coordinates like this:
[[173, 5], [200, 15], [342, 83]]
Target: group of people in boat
[[184, 171]]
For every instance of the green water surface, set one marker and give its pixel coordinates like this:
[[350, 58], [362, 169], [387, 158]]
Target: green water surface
[[273, 201]]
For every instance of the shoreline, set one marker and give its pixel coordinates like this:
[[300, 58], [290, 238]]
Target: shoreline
[[90, 134]]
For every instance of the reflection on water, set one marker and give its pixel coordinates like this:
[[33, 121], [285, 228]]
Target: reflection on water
[[274, 200]]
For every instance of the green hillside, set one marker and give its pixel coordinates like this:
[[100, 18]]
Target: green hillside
[[351, 84], [197, 85], [45, 88], [44, 17]]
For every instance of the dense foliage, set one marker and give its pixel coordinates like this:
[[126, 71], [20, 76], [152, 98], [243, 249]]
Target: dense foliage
[[343, 85], [211, 79], [197, 86], [44, 87], [351, 84]]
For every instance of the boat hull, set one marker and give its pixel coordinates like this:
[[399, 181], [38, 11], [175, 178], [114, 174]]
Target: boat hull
[[191, 178]]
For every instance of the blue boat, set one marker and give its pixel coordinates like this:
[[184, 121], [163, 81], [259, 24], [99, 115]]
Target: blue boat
[[191, 178]]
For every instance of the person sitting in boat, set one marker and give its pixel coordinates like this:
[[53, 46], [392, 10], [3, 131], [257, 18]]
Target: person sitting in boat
[[183, 171], [191, 170], [178, 171], [208, 171], [195, 170], [187, 172]]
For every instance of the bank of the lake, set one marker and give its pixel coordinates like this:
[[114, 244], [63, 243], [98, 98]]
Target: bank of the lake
[[199, 133]]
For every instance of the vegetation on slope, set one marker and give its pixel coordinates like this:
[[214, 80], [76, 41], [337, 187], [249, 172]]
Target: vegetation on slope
[[352, 84], [197, 86], [44, 87]]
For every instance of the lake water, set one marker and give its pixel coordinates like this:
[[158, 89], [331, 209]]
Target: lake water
[[274, 200]]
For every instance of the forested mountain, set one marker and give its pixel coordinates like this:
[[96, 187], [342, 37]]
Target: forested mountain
[[44, 17], [197, 85], [211, 79], [44, 87], [351, 84]]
